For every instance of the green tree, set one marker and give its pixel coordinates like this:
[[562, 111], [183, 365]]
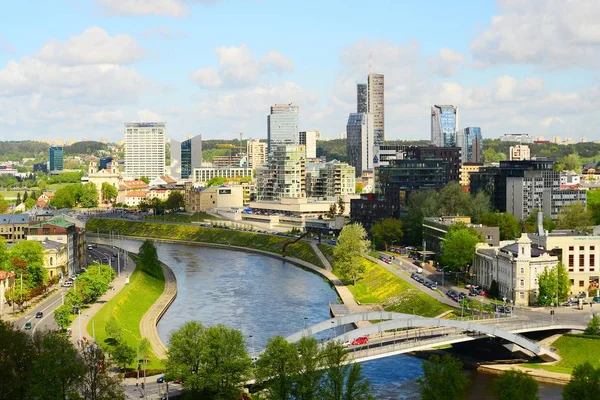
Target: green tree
[[341, 206], [277, 367], [109, 192], [175, 201], [17, 354], [309, 372], [66, 196], [576, 217], [443, 379], [458, 247], [342, 381], [145, 179], [572, 162], [89, 196], [4, 204], [593, 205], [508, 224], [123, 355], [531, 222], [490, 156], [515, 385], [29, 203], [563, 281], [547, 287], [61, 315], [453, 200], [57, 369], [352, 245], [216, 181], [113, 330], [98, 382], [18, 198], [479, 205], [584, 383], [387, 232], [494, 290], [4, 256], [148, 257], [332, 211], [593, 327]]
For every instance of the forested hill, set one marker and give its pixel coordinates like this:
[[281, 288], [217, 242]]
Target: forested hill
[[17, 150]]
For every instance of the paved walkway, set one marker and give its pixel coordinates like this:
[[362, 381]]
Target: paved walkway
[[321, 256], [540, 375]]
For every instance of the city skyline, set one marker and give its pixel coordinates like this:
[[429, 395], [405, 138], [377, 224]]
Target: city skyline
[[142, 67]]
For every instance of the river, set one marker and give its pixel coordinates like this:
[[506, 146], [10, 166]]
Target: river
[[264, 296]]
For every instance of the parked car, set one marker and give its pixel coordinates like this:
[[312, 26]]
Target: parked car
[[433, 286], [360, 340], [160, 379], [346, 344], [39, 314], [67, 284]]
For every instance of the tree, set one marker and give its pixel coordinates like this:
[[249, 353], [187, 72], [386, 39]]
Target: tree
[[584, 383], [572, 162], [123, 355], [309, 374], [453, 200], [89, 196], [593, 205], [351, 247], [148, 257], [563, 281], [515, 385], [593, 327], [216, 181], [508, 224], [61, 315], [113, 330], [332, 211], [57, 368], [109, 192], [145, 179], [342, 380], [175, 201], [17, 355], [29, 203], [531, 222], [25, 195], [277, 367], [494, 289], [490, 156], [547, 287], [18, 198], [458, 247], [479, 206], [387, 232], [97, 382], [576, 217], [443, 379], [341, 206]]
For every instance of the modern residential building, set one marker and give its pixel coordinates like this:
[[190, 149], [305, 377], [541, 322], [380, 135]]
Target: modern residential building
[[56, 158], [205, 174], [435, 229], [333, 179], [376, 105], [284, 175], [466, 169], [309, 139], [517, 138], [185, 156], [370, 209], [145, 149], [361, 98], [470, 142], [256, 153], [200, 199], [282, 125], [231, 160], [554, 200], [519, 152], [13, 227], [444, 121], [514, 267], [360, 142]]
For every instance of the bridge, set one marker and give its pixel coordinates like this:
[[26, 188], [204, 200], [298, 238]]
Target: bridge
[[438, 332]]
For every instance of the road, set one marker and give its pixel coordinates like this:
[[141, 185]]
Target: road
[[152, 389]]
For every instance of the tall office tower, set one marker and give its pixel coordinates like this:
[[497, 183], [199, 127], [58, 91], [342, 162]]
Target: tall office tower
[[360, 142], [470, 142], [284, 174], [444, 120], [282, 125], [256, 153], [185, 156], [56, 158], [361, 98], [309, 139], [145, 149], [376, 105]]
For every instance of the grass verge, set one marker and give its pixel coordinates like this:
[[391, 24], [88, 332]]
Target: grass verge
[[270, 243], [380, 286], [128, 307], [573, 350], [183, 217]]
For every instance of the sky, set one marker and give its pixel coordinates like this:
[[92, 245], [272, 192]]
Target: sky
[[73, 69]]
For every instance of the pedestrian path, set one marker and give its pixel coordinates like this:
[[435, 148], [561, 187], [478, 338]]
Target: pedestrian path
[[321, 256]]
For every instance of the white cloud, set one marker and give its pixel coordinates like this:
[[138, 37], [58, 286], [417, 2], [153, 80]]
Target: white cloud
[[239, 68], [93, 46], [171, 8], [550, 33], [551, 120], [164, 32], [447, 62], [148, 115]]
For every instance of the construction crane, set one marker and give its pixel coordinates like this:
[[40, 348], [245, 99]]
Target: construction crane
[[231, 147]]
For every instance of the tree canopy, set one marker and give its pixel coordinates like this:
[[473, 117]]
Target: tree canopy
[[553, 285], [386, 233], [508, 224], [109, 192], [351, 246], [443, 379], [458, 247], [576, 217], [515, 385], [584, 383]]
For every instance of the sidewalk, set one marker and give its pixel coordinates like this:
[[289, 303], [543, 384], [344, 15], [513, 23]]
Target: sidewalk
[[321, 256]]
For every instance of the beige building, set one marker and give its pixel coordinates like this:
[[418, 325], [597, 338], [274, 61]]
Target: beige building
[[99, 177], [519, 152], [466, 169], [256, 152], [376, 105], [12, 227], [203, 199], [205, 174], [7, 281], [56, 257], [515, 267]]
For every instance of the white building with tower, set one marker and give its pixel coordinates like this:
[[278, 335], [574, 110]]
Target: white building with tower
[[145, 149]]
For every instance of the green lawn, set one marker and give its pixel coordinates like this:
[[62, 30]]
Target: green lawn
[[128, 307], [12, 194], [380, 286], [270, 243], [183, 217], [573, 350]]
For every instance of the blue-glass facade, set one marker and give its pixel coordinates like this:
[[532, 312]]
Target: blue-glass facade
[[444, 120], [56, 158], [448, 125], [104, 163], [186, 159]]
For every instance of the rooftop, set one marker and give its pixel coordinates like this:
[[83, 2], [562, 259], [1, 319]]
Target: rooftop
[[14, 219], [57, 221], [514, 249]]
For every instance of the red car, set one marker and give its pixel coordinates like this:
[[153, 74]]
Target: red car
[[360, 340]]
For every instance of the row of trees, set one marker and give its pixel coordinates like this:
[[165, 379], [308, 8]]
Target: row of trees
[[214, 363], [175, 202], [26, 260], [75, 194], [47, 366]]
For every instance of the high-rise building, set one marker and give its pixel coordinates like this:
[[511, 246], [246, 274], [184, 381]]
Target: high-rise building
[[444, 120], [519, 152], [284, 175], [145, 149], [309, 139], [376, 105], [185, 156], [282, 125], [470, 142], [332, 179], [361, 98], [256, 153], [360, 142], [104, 163], [56, 158]]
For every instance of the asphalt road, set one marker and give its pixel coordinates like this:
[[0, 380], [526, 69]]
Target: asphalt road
[[152, 390]]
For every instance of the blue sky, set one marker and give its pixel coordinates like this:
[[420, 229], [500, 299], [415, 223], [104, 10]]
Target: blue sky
[[81, 68]]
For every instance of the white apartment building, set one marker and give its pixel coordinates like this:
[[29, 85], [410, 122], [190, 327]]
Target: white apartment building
[[256, 153], [376, 105], [519, 152], [309, 139], [284, 175], [332, 179], [145, 149], [205, 174]]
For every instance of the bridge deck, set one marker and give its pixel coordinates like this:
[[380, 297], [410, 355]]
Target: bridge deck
[[338, 310]]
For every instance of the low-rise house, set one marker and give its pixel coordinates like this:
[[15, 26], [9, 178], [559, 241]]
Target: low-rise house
[[12, 227], [56, 258]]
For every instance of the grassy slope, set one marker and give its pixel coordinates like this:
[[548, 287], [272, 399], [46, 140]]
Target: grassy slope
[[573, 351], [379, 285], [128, 307], [327, 251], [270, 243], [181, 217]]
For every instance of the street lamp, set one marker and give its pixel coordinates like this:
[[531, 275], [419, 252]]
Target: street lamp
[[252, 346], [304, 325]]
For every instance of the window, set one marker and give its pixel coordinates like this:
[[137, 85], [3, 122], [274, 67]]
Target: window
[[592, 260], [571, 262], [51, 261], [581, 248], [581, 261], [581, 283], [571, 248], [592, 248], [522, 270], [522, 295], [522, 282], [572, 281]]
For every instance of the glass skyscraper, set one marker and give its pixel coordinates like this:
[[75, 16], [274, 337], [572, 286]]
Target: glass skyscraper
[[444, 120], [185, 156], [470, 142], [282, 125], [361, 98], [56, 158]]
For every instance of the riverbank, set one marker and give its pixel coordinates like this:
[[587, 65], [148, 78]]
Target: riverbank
[[301, 250]]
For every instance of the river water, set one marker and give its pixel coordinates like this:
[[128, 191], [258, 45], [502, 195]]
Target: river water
[[263, 297]]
